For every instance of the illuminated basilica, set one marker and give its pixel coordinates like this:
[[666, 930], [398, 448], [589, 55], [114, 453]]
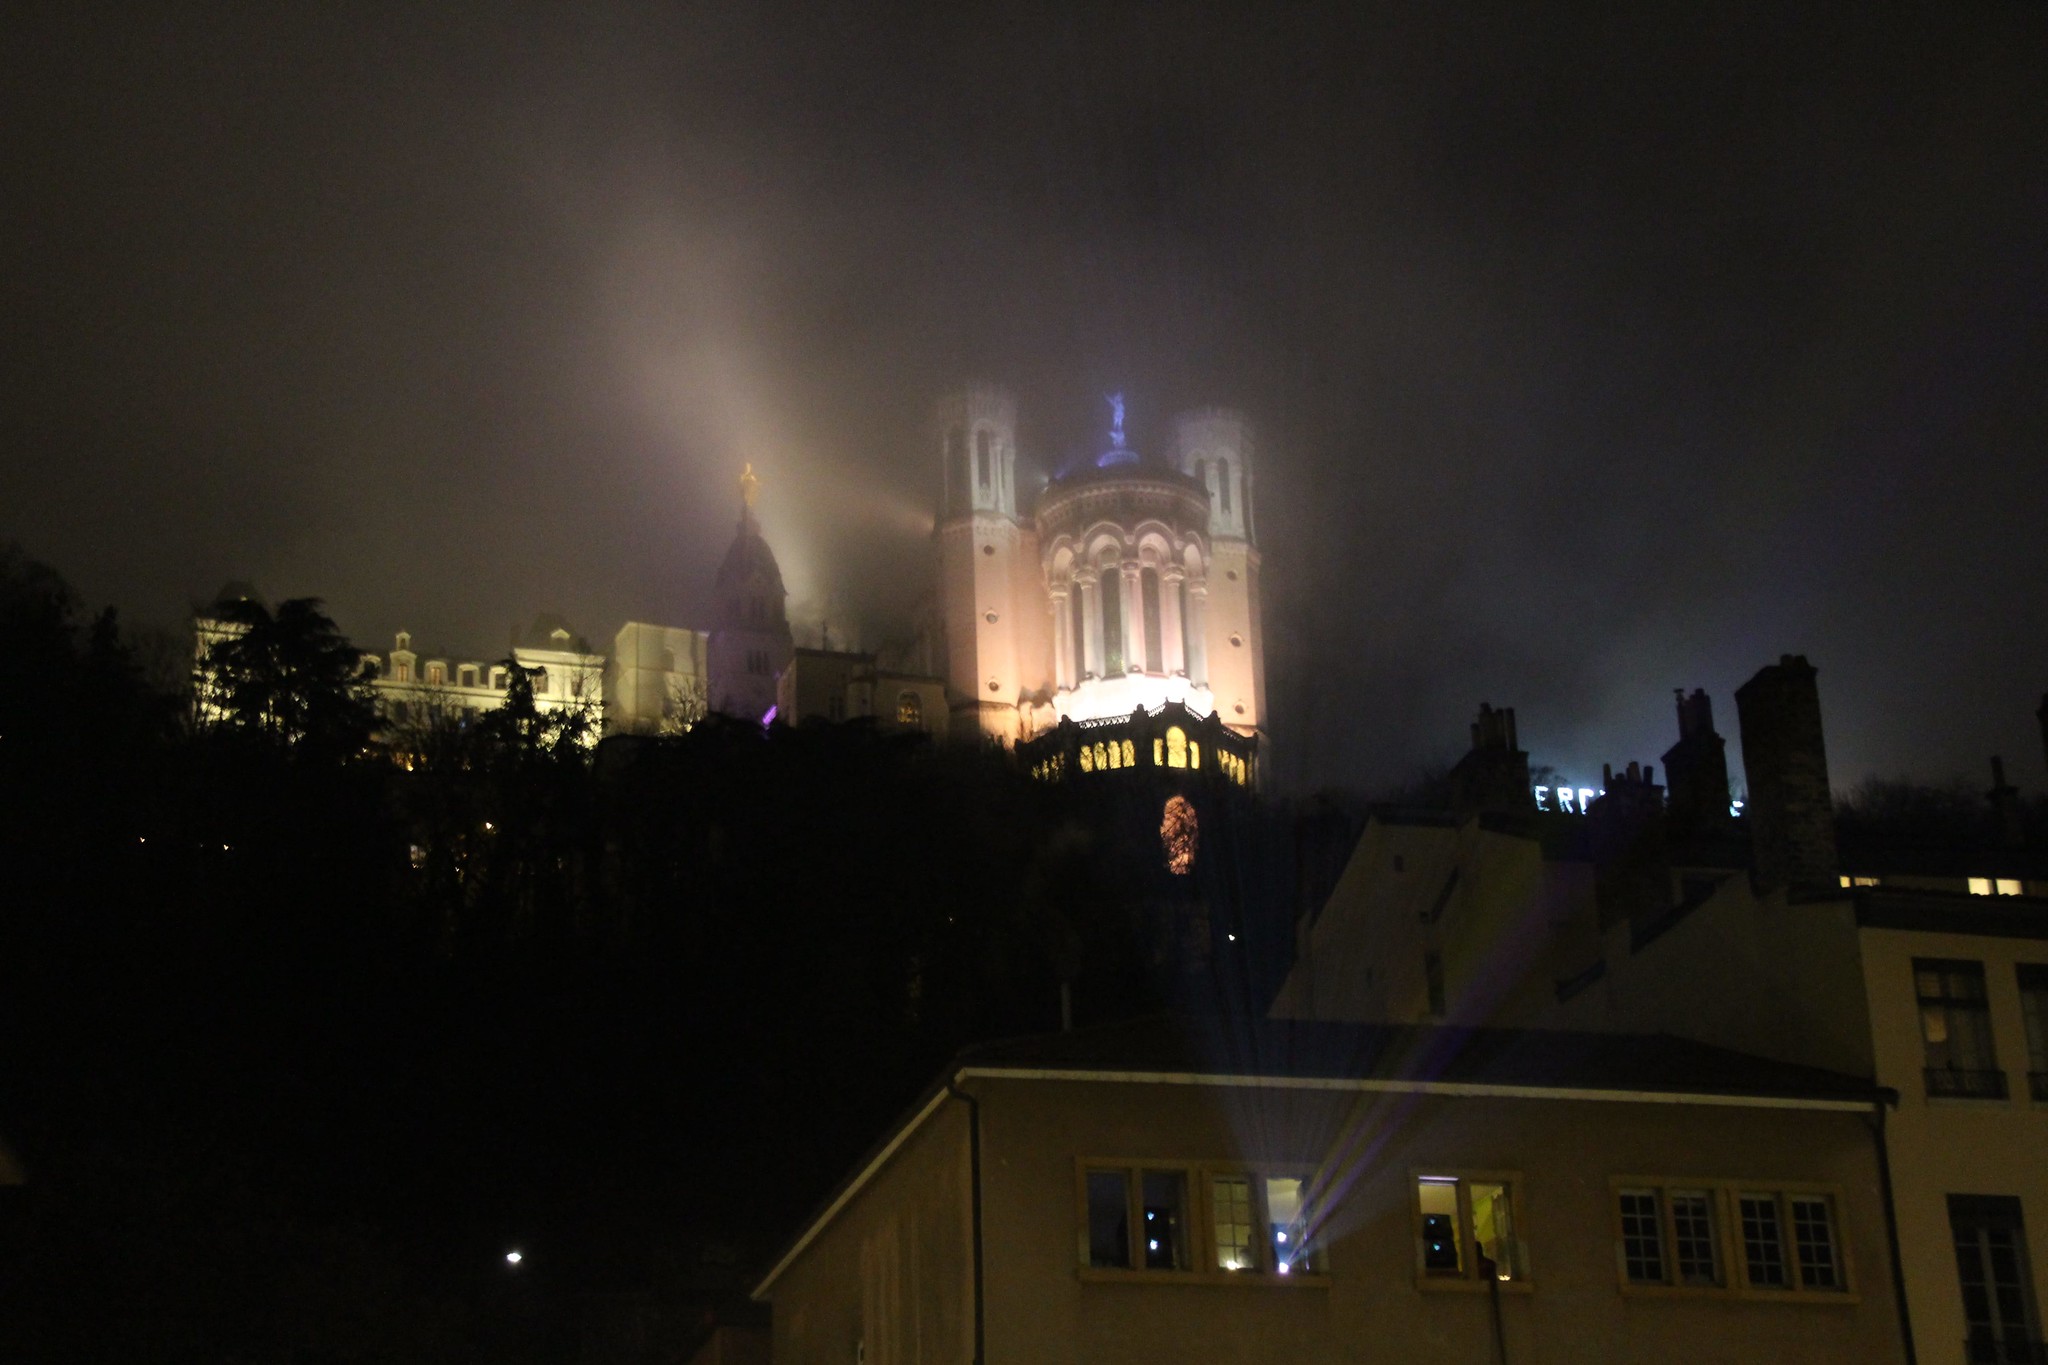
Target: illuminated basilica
[[1126, 593]]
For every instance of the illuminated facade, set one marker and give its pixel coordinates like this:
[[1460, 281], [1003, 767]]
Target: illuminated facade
[[1122, 586]]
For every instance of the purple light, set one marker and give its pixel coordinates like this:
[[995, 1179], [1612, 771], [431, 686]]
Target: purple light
[[769, 718]]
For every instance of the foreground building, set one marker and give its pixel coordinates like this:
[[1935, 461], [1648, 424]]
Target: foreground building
[[1288, 1193], [1926, 970]]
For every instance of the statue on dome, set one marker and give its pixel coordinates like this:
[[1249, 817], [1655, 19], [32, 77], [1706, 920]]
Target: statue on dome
[[750, 487], [1116, 425]]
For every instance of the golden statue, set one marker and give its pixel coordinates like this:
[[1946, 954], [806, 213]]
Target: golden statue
[[750, 487]]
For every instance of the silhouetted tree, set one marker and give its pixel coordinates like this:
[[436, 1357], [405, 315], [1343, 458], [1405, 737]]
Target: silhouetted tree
[[290, 679]]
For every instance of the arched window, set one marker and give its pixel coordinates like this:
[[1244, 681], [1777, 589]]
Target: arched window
[[1176, 747], [1087, 759], [910, 709], [1194, 754], [1130, 754], [1079, 659], [1223, 482], [1101, 759], [982, 461]]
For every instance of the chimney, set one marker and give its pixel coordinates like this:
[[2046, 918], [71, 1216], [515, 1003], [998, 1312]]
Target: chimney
[[2042, 716], [1697, 770], [2007, 819], [1791, 807], [1631, 856], [1494, 776]]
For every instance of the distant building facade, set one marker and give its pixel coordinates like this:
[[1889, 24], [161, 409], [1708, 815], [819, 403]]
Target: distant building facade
[[1926, 972], [1287, 1193], [1101, 594]]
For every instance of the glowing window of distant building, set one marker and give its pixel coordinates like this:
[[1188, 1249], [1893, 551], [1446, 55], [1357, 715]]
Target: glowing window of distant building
[[437, 674], [1980, 886], [1101, 759], [1176, 747], [402, 671], [1130, 754], [1116, 754], [909, 709], [1087, 759], [1194, 754], [1158, 752], [2009, 886]]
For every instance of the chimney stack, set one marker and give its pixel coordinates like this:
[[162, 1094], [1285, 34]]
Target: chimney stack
[[1791, 807], [1631, 857], [1697, 770], [1495, 774]]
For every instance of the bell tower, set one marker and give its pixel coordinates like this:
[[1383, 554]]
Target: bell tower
[[750, 645], [1214, 446], [987, 564]]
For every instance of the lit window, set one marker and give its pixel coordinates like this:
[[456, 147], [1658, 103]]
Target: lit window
[[1980, 886], [2008, 886], [1158, 752], [1116, 754], [1140, 1219], [1467, 1228], [1130, 755], [910, 709], [1955, 1029], [1194, 754], [1087, 759], [1230, 1213], [1176, 747], [437, 674]]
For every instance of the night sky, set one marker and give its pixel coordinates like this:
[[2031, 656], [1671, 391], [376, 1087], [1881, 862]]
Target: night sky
[[1595, 350]]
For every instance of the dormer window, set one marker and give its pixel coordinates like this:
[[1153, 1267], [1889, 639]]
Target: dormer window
[[437, 674], [401, 671], [465, 676]]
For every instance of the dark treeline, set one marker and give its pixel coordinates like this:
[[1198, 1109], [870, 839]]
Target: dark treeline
[[299, 1037]]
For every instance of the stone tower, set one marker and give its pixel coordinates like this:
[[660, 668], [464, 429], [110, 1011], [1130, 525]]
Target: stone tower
[[1226, 635], [750, 645], [991, 612]]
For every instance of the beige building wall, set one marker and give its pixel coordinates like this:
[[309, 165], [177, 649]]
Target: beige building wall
[[659, 679], [1373, 1305], [891, 1279], [1942, 1146]]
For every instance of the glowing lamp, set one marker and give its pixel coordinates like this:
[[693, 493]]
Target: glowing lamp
[[514, 1257]]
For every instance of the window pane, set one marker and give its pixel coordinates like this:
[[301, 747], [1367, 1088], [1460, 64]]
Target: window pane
[[1230, 1211], [1992, 1270], [1287, 1226], [1692, 1226], [1493, 1230], [1642, 1237], [1437, 1196], [2034, 1008], [1109, 1219], [1165, 1198], [1763, 1242], [1813, 1236]]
